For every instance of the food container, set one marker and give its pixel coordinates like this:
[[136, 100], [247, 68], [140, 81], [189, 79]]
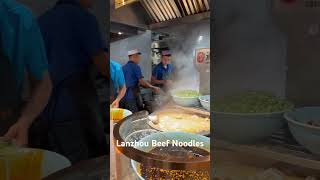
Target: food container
[[88, 169], [175, 136], [135, 124], [248, 117], [181, 119], [205, 101], [306, 134], [117, 114], [26, 163], [246, 127], [183, 100]]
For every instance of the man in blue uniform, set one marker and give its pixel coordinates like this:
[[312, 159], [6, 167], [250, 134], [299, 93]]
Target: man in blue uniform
[[162, 72], [134, 78], [74, 43], [21, 48]]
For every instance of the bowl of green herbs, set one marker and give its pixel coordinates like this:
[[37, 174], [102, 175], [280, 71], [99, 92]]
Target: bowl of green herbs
[[248, 117], [187, 97]]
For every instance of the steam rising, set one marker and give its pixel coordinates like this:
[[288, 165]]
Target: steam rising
[[250, 49], [185, 39]]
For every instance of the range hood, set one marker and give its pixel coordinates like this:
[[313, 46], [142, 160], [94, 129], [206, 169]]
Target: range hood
[[164, 10], [157, 14]]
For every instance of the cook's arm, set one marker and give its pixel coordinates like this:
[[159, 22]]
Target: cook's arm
[[146, 84], [121, 93], [35, 61], [38, 101], [154, 80]]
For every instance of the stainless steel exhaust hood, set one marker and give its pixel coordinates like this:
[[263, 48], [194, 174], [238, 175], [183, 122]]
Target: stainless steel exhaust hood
[[156, 14], [164, 10]]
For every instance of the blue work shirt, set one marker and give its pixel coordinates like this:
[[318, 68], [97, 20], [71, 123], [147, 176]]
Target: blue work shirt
[[132, 73], [116, 76], [162, 73], [21, 41], [72, 38]]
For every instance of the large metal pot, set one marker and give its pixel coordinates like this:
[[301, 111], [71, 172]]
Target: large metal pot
[[138, 122]]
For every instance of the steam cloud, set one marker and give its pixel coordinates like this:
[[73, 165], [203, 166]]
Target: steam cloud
[[183, 42]]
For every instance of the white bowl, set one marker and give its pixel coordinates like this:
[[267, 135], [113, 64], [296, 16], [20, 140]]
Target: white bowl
[[51, 162], [125, 114], [185, 101], [205, 102]]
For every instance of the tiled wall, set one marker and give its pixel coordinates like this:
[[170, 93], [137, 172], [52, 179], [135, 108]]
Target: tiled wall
[[119, 51]]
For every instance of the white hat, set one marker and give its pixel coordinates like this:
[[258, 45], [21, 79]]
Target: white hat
[[134, 51], [166, 53]]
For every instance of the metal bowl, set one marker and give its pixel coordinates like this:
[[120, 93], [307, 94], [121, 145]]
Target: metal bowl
[[246, 128], [306, 135], [205, 102], [139, 121], [163, 137]]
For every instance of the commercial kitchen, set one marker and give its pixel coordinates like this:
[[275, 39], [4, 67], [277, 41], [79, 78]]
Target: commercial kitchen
[[265, 116], [169, 137]]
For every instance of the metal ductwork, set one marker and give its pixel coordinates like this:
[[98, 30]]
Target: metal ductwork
[[164, 10]]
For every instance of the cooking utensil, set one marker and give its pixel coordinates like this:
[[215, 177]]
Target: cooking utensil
[[137, 122]]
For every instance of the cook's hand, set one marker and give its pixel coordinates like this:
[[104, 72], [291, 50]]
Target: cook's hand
[[115, 104], [168, 82], [156, 89], [18, 133]]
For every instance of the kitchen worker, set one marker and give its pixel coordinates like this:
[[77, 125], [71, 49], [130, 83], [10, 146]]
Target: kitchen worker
[[162, 72], [118, 84], [74, 43], [21, 48], [134, 78]]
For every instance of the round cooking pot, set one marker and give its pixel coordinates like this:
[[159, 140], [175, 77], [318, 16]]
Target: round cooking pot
[[139, 121]]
